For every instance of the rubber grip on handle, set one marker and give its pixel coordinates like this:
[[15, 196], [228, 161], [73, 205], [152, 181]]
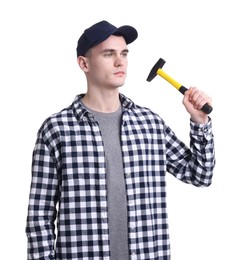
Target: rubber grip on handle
[[206, 108]]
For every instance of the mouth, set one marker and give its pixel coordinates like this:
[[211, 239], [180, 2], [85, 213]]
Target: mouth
[[119, 73]]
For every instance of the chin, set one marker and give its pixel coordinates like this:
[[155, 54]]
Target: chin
[[120, 83]]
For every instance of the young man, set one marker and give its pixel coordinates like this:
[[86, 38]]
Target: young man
[[99, 165]]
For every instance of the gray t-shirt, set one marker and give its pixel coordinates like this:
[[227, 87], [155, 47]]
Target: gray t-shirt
[[110, 124]]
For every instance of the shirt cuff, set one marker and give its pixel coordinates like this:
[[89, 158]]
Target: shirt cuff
[[201, 130]]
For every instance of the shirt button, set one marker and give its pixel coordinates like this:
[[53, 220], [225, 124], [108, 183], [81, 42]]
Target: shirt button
[[104, 220], [132, 227], [128, 174]]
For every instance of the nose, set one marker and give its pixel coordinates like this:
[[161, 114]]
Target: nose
[[119, 61]]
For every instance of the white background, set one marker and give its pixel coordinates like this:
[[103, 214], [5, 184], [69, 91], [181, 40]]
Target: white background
[[39, 76]]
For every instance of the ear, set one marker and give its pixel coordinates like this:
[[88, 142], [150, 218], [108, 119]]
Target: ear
[[82, 62]]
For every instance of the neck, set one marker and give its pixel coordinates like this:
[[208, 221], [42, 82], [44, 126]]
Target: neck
[[102, 101]]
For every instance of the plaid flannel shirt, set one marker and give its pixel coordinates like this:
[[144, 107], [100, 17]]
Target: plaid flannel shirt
[[69, 182]]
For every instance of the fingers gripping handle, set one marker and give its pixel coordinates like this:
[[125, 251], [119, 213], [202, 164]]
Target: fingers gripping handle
[[206, 108]]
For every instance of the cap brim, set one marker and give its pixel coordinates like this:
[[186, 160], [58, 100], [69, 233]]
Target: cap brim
[[129, 33]]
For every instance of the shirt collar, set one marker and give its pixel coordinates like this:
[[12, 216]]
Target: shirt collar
[[81, 112]]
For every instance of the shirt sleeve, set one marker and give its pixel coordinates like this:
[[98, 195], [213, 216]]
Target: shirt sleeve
[[42, 203], [192, 165]]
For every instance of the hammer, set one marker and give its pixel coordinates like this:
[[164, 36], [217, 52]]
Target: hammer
[[157, 70]]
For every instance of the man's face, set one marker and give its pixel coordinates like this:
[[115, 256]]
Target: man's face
[[107, 63]]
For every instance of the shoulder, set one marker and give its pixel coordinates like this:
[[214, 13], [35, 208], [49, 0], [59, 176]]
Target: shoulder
[[144, 115], [57, 121], [67, 117], [136, 109], [146, 112]]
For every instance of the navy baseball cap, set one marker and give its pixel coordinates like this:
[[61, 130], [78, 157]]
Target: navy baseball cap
[[100, 31]]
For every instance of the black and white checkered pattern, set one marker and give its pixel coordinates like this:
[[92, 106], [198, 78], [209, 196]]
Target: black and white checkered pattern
[[69, 167]]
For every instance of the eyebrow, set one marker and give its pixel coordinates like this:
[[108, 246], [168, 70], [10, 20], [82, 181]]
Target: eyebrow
[[113, 50]]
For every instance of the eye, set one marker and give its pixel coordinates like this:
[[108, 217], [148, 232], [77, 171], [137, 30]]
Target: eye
[[108, 54], [125, 54]]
